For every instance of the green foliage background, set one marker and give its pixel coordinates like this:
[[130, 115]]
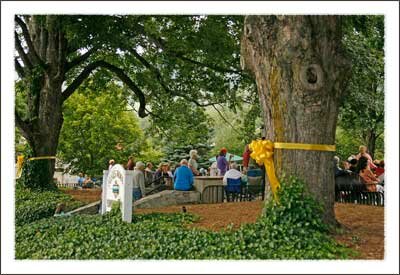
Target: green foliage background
[[361, 116], [95, 122]]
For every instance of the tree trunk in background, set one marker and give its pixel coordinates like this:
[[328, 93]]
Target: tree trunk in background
[[371, 142], [299, 68]]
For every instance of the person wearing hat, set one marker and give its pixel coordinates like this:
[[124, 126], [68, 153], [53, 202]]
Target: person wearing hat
[[222, 163], [138, 187]]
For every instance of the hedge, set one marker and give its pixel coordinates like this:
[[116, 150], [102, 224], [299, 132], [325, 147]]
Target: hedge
[[31, 205]]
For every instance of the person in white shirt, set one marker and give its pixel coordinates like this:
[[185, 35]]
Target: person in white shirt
[[232, 173], [138, 190], [213, 169]]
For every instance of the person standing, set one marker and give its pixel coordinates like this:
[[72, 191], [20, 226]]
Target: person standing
[[183, 178], [193, 162], [138, 190], [131, 163], [363, 153], [214, 169], [246, 157], [111, 164], [149, 173], [222, 163]]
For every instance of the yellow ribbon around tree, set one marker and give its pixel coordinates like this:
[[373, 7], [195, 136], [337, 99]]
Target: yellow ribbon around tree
[[21, 160], [263, 153]]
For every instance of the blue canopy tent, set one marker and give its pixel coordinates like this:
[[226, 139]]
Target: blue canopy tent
[[234, 158]]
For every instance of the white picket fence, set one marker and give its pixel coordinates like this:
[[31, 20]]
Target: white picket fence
[[71, 185]]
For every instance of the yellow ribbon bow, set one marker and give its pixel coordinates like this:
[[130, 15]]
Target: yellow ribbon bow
[[20, 162], [263, 153]]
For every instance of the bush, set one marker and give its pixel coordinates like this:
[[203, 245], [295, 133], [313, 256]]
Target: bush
[[291, 230], [33, 205]]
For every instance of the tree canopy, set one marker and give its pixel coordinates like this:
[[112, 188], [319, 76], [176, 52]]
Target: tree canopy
[[362, 110]]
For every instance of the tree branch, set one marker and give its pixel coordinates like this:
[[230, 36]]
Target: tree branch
[[19, 68], [220, 114], [22, 125], [158, 75], [21, 52], [79, 59], [161, 43], [119, 72], [28, 41]]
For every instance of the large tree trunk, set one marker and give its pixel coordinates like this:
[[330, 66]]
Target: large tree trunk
[[299, 69], [43, 80]]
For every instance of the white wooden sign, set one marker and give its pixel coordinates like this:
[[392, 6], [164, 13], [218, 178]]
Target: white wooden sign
[[117, 186]]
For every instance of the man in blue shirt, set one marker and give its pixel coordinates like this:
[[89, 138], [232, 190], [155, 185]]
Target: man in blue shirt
[[183, 177]]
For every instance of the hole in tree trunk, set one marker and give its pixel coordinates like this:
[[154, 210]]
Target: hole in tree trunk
[[311, 75]]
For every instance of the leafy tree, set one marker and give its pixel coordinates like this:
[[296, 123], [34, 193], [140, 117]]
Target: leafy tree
[[159, 58], [179, 123], [98, 127], [362, 111]]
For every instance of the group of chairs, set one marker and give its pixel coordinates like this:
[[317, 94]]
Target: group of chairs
[[350, 188], [236, 190]]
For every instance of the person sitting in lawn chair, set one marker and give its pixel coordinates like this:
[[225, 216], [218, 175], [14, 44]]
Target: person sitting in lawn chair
[[88, 183], [233, 181]]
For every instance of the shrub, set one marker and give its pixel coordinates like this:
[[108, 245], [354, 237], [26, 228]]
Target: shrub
[[31, 205]]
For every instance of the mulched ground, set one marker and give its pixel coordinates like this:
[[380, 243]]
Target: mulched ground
[[84, 195], [362, 225]]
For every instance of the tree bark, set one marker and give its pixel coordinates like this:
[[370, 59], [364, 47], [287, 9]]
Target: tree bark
[[300, 70], [371, 142]]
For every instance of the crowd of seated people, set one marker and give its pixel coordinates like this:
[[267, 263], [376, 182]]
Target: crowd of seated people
[[371, 173]]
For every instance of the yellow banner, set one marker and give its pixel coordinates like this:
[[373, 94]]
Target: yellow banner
[[263, 153], [302, 146]]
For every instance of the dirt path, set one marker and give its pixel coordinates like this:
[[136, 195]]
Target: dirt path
[[84, 195], [364, 229], [363, 225]]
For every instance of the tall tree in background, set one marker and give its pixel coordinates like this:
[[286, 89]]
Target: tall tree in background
[[362, 110], [300, 70], [99, 127], [157, 57]]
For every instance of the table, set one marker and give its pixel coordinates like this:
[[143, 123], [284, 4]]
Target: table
[[211, 189]]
